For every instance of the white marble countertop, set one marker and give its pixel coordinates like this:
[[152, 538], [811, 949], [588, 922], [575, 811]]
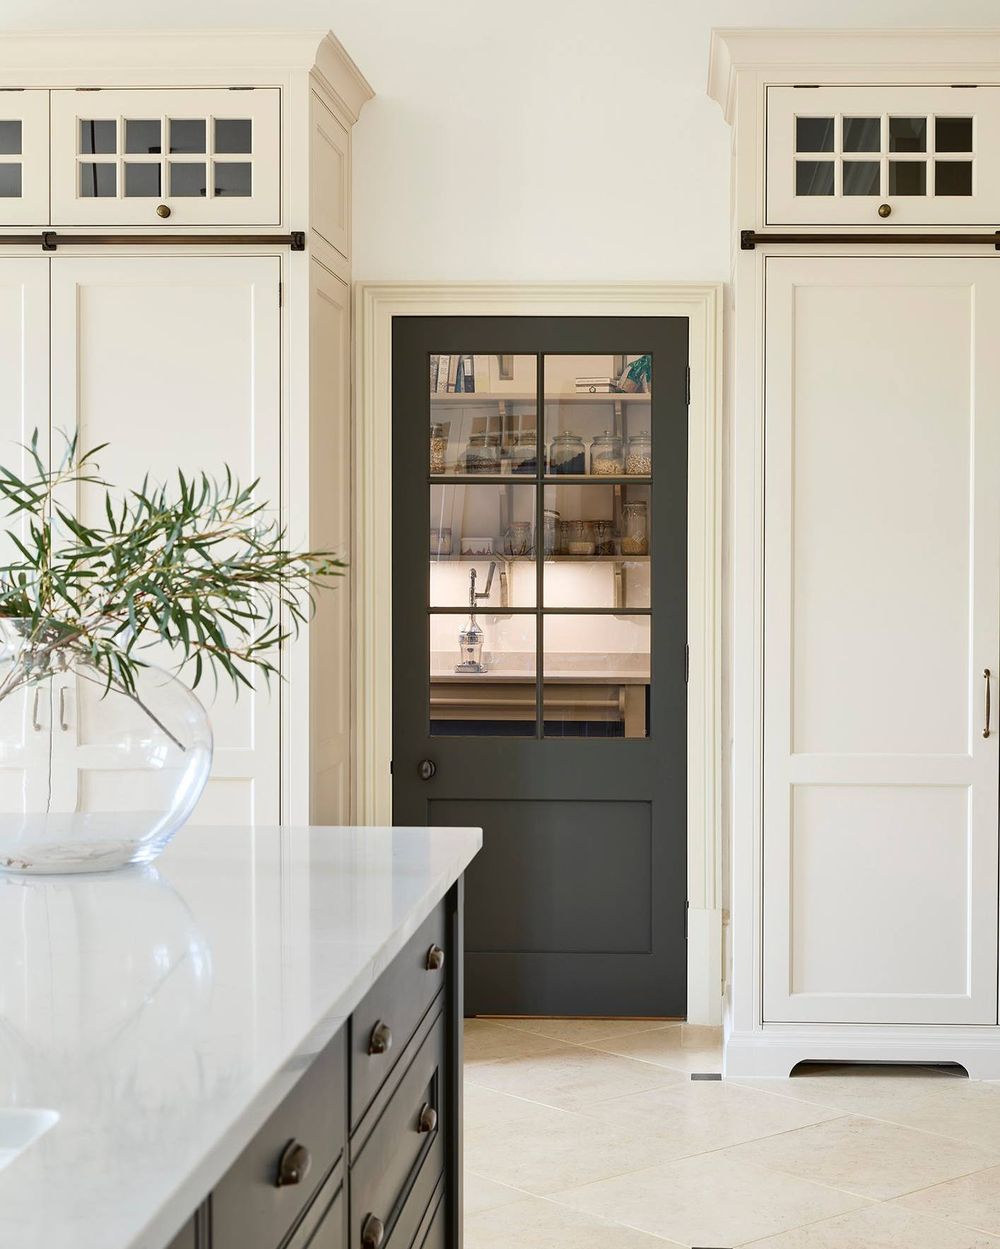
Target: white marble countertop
[[164, 1012]]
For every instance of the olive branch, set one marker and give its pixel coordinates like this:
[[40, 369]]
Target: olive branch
[[197, 564]]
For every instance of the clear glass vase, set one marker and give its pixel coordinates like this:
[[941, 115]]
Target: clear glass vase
[[91, 777]]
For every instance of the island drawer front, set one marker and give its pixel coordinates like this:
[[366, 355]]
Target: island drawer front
[[250, 1210], [397, 1157], [324, 1224], [432, 1234], [397, 1001]]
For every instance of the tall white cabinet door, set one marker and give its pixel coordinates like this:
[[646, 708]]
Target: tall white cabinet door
[[174, 361], [24, 407], [881, 606]]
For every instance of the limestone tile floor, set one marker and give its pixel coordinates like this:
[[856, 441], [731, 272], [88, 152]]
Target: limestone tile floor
[[591, 1134]]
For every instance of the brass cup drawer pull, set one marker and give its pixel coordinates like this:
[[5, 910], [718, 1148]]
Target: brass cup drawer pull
[[293, 1165], [986, 727], [380, 1041], [435, 958], [427, 1120], [372, 1232]]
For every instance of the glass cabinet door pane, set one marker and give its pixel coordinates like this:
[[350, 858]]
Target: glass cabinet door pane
[[596, 676], [473, 526], [597, 413], [482, 675], [483, 415], [601, 555]]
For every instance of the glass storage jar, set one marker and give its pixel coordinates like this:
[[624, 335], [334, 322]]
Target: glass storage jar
[[517, 539], [580, 539], [635, 529], [562, 544], [604, 537], [439, 448], [440, 542], [639, 459], [482, 454], [550, 522], [568, 455], [522, 453], [606, 455]]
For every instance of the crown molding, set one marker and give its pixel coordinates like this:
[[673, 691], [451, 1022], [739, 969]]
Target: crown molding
[[99, 56], [784, 51], [340, 76]]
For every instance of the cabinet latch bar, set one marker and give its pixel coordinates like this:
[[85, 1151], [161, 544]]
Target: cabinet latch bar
[[752, 239]]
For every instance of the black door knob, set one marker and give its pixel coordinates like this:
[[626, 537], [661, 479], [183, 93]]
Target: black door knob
[[294, 1164], [426, 769]]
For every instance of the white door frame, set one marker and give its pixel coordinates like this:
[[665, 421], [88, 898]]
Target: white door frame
[[376, 304]]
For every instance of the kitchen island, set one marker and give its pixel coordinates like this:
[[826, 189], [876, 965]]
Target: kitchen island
[[248, 1018]]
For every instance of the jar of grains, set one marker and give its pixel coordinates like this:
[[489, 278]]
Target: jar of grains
[[482, 454], [604, 537], [635, 529], [580, 540], [639, 460], [522, 453], [568, 455], [439, 448], [606, 455]]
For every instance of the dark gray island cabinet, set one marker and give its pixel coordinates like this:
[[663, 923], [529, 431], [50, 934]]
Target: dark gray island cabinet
[[365, 1151]]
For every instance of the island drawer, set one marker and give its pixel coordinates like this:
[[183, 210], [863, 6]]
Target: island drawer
[[394, 1006], [324, 1224], [263, 1194], [431, 1233], [397, 1154]]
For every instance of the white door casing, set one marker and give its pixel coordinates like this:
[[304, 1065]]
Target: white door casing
[[881, 609], [174, 361]]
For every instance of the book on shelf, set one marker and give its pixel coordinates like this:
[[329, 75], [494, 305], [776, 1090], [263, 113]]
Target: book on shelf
[[441, 378]]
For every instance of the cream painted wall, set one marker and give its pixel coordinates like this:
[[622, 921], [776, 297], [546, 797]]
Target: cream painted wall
[[528, 139]]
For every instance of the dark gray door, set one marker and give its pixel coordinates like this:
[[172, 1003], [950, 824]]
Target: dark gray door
[[540, 464]]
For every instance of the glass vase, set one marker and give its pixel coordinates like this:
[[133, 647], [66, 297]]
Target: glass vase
[[92, 776]]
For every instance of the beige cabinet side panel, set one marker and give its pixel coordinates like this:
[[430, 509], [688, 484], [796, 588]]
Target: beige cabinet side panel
[[330, 529], [329, 176]]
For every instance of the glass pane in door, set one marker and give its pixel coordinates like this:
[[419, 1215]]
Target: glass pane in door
[[474, 528], [483, 418], [596, 412], [482, 674], [601, 557], [596, 675]]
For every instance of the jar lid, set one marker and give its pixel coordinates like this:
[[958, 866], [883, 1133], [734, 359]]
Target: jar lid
[[607, 436], [567, 436], [484, 440]]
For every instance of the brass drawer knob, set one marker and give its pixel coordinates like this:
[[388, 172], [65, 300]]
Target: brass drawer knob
[[162, 210], [380, 1041], [293, 1165], [884, 210], [372, 1232], [427, 1120], [435, 958]]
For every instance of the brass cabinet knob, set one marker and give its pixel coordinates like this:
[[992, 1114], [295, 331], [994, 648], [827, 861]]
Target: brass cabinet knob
[[435, 958], [427, 1120], [372, 1232], [162, 210], [884, 210], [293, 1165], [380, 1041]]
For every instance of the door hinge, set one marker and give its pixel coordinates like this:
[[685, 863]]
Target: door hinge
[[390, 767], [687, 911], [281, 293], [687, 663], [687, 387]]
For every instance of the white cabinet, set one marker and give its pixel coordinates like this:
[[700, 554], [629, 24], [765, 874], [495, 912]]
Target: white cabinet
[[881, 597], [24, 407], [166, 157], [174, 362], [882, 156], [24, 157]]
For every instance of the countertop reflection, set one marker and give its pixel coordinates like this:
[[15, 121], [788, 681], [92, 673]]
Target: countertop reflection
[[162, 1013]]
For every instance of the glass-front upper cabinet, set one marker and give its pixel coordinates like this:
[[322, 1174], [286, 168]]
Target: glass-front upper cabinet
[[883, 157], [166, 157], [24, 158]]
